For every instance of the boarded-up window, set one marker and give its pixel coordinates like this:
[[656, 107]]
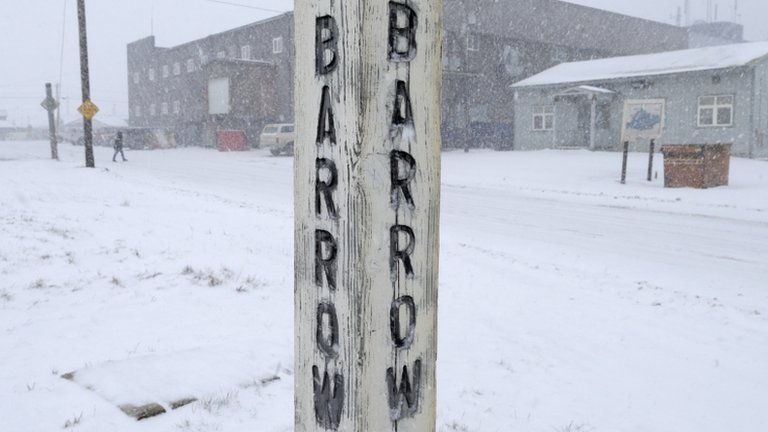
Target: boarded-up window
[[218, 96]]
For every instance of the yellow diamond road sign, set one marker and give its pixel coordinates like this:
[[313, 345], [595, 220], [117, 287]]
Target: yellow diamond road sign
[[88, 109]]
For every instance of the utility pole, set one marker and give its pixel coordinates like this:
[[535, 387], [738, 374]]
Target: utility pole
[[50, 105], [367, 203], [87, 109]]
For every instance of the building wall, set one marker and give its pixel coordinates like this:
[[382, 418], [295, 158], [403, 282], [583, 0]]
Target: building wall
[[262, 83], [680, 92], [489, 45], [760, 110]]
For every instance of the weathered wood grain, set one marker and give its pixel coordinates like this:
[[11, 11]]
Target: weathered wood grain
[[367, 204]]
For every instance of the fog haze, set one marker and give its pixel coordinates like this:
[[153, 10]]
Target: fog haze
[[31, 45]]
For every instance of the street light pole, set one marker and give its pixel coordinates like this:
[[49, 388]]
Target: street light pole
[[86, 84]]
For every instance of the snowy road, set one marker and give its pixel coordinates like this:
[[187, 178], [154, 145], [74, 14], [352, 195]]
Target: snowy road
[[568, 302]]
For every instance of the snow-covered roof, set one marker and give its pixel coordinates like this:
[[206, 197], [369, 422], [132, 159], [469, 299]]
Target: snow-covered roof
[[671, 62], [585, 89], [99, 122]]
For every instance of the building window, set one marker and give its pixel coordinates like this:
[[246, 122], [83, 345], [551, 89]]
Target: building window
[[544, 118], [245, 52], [152, 110], [151, 74], [135, 77], [164, 108], [473, 42], [165, 71], [715, 111], [177, 68], [176, 107], [190, 65], [277, 45], [221, 54], [137, 111]]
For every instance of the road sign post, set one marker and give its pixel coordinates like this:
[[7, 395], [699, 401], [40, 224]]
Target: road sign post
[[367, 201], [86, 86], [49, 104], [651, 151]]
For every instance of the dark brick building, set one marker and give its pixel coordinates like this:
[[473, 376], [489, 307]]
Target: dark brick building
[[489, 45]]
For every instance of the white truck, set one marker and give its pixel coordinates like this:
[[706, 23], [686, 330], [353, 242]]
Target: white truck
[[278, 138]]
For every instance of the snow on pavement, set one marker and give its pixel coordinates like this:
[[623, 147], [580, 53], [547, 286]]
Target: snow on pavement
[[568, 302]]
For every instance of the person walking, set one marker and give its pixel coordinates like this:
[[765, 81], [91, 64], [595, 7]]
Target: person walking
[[118, 145]]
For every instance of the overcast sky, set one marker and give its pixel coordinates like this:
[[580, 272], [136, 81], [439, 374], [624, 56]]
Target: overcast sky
[[31, 42]]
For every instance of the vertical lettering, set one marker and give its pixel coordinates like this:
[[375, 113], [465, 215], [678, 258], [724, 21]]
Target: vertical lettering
[[327, 342], [396, 253], [329, 403], [404, 399], [325, 258], [403, 112], [401, 178], [402, 32], [402, 342], [326, 127], [325, 186], [326, 44]]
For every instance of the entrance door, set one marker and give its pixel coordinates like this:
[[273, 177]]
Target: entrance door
[[572, 122], [583, 122]]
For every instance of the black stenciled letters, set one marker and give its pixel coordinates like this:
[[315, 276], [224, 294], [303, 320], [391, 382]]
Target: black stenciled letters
[[403, 113], [402, 342], [396, 253], [324, 188], [326, 41], [329, 403], [326, 127], [401, 183], [327, 343], [325, 258], [404, 400], [402, 38]]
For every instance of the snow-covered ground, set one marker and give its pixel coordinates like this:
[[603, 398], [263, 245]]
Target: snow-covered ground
[[568, 302]]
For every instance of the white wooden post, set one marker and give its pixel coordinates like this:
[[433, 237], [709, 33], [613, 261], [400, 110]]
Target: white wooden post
[[367, 200]]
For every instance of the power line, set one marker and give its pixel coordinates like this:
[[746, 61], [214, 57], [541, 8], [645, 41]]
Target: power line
[[245, 6]]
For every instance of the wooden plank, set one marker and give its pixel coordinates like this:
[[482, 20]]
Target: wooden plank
[[367, 201]]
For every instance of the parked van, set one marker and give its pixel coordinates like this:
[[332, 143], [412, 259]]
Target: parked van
[[278, 138]]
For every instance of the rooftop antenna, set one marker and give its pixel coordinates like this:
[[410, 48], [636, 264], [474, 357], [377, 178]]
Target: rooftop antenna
[[687, 12]]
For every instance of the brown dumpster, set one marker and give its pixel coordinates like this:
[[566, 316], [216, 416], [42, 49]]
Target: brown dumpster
[[699, 166]]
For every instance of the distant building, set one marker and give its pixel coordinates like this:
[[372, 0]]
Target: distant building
[[704, 34], [6, 127], [236, 80], [243, 78], [491, 44], [708, 95]]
